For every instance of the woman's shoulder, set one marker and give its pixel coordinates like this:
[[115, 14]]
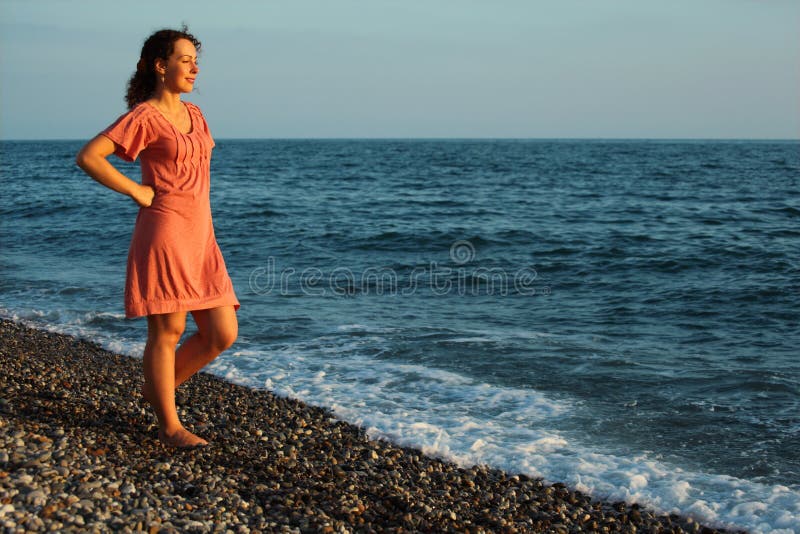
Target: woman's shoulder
[[141, 111], [139, 116], [195, 111], [193, 107]]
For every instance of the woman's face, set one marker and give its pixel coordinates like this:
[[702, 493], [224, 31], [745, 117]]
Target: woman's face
[[181, 68]]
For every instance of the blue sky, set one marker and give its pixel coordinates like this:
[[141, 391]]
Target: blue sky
[[413, 68]]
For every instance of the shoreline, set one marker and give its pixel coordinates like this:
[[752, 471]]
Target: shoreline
[[80, 452]]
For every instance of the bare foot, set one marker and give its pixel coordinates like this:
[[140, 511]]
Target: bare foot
[[182, 439]]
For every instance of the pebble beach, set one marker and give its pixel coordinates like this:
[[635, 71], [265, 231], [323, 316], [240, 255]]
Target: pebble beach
[[79, 452]]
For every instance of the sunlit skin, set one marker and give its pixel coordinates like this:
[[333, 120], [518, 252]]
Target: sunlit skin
[[165, 367], [179, 73]]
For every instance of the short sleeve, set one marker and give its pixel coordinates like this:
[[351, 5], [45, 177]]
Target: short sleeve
[[130, 134]]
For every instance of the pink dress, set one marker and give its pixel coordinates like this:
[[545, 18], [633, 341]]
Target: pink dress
[[174, 262]]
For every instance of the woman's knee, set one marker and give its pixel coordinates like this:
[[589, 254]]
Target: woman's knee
[[166, 327], [222, 336], [217, 327]]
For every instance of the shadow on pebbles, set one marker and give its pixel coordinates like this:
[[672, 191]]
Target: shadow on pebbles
[[78, 452]]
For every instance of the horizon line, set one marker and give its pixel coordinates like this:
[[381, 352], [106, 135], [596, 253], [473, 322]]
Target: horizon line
[[443, 138]]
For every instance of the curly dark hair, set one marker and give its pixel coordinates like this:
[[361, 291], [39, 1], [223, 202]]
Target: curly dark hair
[[161, 44]]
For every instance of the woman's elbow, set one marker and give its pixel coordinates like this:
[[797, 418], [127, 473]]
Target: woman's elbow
[[82, 157], [85, 158], [97, 149], [80, 160]]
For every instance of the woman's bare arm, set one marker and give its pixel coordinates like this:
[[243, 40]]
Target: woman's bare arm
[[92, 159]]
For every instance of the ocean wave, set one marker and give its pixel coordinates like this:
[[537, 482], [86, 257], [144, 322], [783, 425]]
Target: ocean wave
[[395, 240]]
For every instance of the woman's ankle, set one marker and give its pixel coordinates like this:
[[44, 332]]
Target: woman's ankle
[[171, 430]]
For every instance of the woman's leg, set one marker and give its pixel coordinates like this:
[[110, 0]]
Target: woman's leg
[[217, 329], [163, 333]]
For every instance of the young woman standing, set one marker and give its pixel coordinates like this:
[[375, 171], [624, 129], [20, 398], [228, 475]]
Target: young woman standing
[[174, 262]]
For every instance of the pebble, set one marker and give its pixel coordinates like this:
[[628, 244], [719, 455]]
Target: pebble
[[78, 453]]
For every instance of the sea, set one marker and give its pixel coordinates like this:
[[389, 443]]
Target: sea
[[622, 316]]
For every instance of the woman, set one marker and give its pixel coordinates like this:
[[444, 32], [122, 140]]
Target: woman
[[174, 262]]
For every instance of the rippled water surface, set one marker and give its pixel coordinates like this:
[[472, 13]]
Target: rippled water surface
[[618, 315]]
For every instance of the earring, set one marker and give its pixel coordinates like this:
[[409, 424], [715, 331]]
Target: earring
[[162, 80]]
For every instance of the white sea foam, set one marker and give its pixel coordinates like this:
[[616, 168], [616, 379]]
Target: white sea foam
[[85, 325], [450, 415]]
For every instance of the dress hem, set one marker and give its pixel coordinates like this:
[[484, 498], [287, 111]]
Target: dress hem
[[143, 309]]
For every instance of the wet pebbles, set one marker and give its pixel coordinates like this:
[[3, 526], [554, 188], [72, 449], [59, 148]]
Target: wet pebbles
[[78, 452]]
